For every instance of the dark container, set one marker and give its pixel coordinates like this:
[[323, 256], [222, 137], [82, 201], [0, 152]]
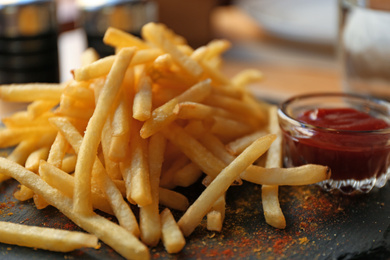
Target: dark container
[[28, 42]]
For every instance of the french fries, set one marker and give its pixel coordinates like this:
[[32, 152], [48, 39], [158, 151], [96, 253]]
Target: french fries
[[45, 238], [131, 127]]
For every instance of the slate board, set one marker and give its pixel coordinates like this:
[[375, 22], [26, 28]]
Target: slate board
[[320, 225]]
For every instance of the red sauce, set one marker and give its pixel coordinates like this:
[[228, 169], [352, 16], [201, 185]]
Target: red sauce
[[350, 154]]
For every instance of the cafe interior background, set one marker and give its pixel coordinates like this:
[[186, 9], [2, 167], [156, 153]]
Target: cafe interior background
[[294, 43]]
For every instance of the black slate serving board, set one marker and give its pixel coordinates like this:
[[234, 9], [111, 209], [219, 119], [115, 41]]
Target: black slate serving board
[[320, 225]]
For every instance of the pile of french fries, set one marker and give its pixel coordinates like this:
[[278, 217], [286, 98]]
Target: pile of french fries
[[129, 129]]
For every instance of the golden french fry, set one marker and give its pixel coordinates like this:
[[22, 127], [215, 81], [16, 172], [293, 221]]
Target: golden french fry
[[246, 77], [214, 221], [171, 234], [45, 238], [215, 145], [31, 92], [237, 146], [167, 177], [120, 131], [39, 107], [23, 193], [194, 150], [111, 166], [110, 233], [149, 219], [221, 183], [301, 175], [69, 163], [88, 56], [95, 69], [80, 93], [166, 113], [121, 209], [173, 199], [157, 34], [12, 136], [237, 106], [272, 212], [121, 122], [101, 67], [119, 38], [269, 193], [118, 148], [23, 150], [142, 106], [187, 175], [39, 202], [161, 117], [32, 161], [74, 112], [65, 184], [215, 74], [91, 140], [140, 190], [57, 151], [215, 48], [192, 110], [216, 215]]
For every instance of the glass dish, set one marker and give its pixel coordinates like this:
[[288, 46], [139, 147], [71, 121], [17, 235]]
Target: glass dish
[[359, 159]]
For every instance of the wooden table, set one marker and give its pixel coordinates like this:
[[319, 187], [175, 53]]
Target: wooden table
[[290, 68]]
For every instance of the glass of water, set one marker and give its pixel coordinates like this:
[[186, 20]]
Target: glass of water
[[365, 47]]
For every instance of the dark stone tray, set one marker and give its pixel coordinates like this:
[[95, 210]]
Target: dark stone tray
[[320, 225]]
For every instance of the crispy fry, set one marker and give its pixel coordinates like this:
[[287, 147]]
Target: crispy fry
[[31, 92], [166, 113], [119, 38], [45, 238], [173, 199], [157, 34], [149, 215], [88, 148], [269, 193], [194, 150], [23, 193], [214, 221], [139, 190], [187, 175], [216, 215], [88, 56], [246, 77], [101, 67], [237, 146], [39, 107], [80, 93], [69, 163], [32, 162], [221, 183], [112, 234], [301, 175], [65, 183], [121, 209], [172, 236], [142, 106]]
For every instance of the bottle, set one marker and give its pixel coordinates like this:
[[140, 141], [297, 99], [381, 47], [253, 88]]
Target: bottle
[[28, 42], [126, 15]]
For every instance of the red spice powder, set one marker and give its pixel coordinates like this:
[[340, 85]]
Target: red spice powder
[[228, 253]]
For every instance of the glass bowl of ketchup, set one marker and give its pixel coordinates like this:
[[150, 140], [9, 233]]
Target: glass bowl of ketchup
[[347, 132]]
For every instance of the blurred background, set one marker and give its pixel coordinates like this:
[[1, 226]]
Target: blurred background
[[294, 42]]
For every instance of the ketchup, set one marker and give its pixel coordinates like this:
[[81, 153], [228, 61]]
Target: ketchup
[[344, 140]]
